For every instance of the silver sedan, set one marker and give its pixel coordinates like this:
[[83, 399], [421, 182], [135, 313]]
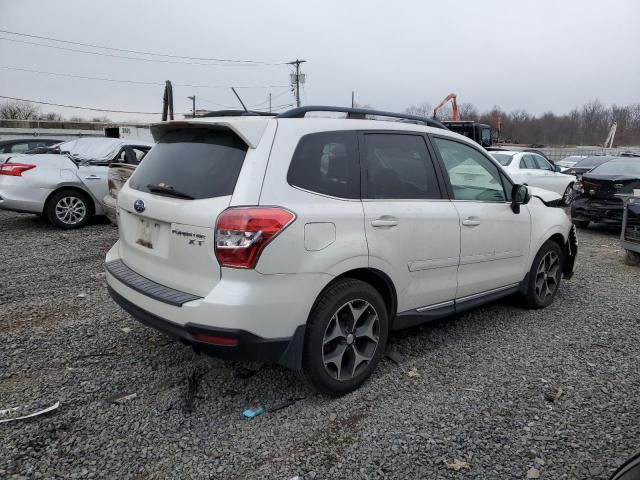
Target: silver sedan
[[66, 187]]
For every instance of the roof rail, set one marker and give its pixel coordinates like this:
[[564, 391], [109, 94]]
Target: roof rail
[[235, 113], [359, 113]]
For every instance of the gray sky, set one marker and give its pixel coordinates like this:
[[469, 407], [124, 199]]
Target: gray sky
[[538, 55]]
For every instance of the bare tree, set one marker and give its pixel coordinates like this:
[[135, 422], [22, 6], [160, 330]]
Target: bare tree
[[468, 111], [102, 119], [422, 110], [51, 117], [77, 119], [14, 110]]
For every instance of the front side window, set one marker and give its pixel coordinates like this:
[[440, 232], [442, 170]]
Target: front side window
[[472, 175], [399, 167], [327, 163]]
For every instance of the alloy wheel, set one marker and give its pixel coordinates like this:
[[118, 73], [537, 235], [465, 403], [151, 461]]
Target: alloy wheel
[[70, 210], [350, 339], [547, 276]]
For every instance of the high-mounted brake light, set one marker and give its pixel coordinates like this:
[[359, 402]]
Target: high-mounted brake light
[[15, 169], [242, 233]]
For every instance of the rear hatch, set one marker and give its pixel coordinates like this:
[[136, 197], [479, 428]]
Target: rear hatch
[[168, 209], [605, 187]]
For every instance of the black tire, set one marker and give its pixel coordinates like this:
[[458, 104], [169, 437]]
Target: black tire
[[333, 312], [568, 196], [542, 286], [632, 258], [76, 204], [581, 223]]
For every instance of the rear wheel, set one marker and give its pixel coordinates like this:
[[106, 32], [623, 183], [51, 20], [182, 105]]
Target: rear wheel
[[69, 209], [545, 275], [346, 337]]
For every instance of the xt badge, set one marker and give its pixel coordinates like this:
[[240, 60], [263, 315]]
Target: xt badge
[[196, 239]]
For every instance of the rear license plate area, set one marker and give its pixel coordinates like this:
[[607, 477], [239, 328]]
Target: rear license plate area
[[148, 232]]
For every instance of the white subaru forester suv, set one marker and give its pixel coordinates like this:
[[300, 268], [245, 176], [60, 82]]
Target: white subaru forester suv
[[305, 241]]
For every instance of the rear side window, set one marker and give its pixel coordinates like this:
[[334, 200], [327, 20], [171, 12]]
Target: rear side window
[[327, 163], [399, 167], [196, 162], [528, 162]]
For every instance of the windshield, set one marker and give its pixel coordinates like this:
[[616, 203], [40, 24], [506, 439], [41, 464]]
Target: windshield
[[192, 163], [503, 158], [592, 161], [619, 167]]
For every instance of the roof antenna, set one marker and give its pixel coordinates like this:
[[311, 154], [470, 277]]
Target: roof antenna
[[239, 99]]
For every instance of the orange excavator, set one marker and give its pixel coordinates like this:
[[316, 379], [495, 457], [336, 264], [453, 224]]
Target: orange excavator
[[454, 106], [478, 132]]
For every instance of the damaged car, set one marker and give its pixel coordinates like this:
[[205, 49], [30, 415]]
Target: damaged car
[[67, 185], [597, 200]]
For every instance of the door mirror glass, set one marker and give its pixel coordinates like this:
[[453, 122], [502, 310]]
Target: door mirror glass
[[557, 168], [519, 196]]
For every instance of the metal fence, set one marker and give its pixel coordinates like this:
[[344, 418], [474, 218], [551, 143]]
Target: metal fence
[[558, 153]]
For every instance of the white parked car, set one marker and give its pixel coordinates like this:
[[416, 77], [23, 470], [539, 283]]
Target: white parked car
[[65, 187], [535, 170], [305, 241]]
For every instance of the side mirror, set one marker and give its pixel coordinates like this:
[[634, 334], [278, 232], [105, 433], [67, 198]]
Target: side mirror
[[557, 168], [519, 196]]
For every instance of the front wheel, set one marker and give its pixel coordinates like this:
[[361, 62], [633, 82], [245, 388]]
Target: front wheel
[[545, 275], [346, 337], [568, 195]]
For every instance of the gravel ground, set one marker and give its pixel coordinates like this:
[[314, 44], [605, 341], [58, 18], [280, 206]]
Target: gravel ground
[[498, 391]]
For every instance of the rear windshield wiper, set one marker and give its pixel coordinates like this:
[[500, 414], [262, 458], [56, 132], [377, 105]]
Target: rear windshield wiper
[[168, 190]]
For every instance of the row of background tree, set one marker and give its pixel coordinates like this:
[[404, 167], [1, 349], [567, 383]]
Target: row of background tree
[[587, 125], [15, 110]]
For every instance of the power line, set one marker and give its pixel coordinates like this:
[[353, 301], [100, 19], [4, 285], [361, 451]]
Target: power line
[[103, 109], [103, 79], [257, 62], [140, 59], [77, 107]]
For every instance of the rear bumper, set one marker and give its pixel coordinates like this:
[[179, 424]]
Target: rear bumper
[[597, 211], [249, 347], [18, 197]]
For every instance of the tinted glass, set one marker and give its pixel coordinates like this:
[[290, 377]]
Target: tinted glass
[[629, 167], [472, 175], [327, 163], [541, 163], [528, 162], [503, 158], [399, 166], [592, 161], [19, 148], [198, 162]]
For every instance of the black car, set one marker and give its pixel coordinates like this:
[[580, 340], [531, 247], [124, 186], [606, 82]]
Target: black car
[[596, 200], [587, 164], [22, 145]]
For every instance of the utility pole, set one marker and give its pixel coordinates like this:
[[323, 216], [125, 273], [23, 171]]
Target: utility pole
[[269, 102], [353, 99], [297, 79], [193, 109]]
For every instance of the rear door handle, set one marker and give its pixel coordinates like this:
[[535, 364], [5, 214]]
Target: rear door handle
[[93, 177], [384, 222], [470, 223]]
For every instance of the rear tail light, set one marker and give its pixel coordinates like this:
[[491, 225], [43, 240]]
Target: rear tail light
[[242, 233], [15, 169], [110, 185]]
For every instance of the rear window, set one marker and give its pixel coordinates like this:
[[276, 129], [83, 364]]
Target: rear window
[[196, 162], [327, 163], [619, 167], [502, 158]]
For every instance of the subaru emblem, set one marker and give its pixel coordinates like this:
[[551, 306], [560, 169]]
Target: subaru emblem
[[139, 206]]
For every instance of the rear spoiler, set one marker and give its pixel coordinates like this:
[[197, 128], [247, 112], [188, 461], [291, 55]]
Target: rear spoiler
[[250, 128]]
